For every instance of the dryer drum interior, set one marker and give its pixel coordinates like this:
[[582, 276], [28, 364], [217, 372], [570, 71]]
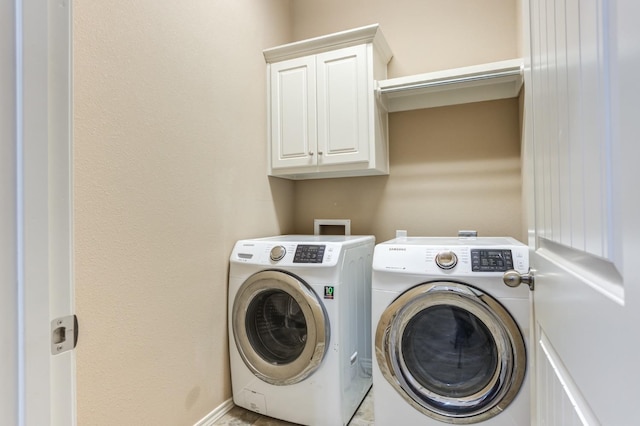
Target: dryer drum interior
[[452, 352], [280, 327]]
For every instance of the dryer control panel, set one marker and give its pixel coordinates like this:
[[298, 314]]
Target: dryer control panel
[[448, 256], [491, 260]]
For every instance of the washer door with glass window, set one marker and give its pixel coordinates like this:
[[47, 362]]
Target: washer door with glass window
[[451, 351], [280, 327]]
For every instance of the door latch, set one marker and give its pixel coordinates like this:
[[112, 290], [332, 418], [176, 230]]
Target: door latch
[[64, 334], [513, 278]]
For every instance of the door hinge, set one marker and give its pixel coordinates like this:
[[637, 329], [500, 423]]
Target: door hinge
[[64, 334]]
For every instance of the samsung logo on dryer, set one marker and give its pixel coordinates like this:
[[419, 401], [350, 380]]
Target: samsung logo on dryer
[[397, 249]]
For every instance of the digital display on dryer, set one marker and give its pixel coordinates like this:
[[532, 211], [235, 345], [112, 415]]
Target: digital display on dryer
[[491, 260], [309, 254]]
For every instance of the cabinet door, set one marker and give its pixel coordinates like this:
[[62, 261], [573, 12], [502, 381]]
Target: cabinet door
[[293, 113], [343, 106]]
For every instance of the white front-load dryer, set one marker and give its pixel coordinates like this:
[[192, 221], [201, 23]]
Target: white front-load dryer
[[300, 326], [450, 338]]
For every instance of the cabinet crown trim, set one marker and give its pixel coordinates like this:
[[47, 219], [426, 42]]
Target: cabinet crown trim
[[367, 34]]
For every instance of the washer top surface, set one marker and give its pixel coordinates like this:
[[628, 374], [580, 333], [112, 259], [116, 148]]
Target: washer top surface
[[314, 238]]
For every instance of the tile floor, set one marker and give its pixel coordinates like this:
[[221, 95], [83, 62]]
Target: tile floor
[[240, 417]]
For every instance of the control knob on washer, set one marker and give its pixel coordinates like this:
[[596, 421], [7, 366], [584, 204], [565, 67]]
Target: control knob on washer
[[446, 260], [277, 253]]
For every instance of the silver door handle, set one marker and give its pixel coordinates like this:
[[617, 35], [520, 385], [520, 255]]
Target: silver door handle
[[513, 278]]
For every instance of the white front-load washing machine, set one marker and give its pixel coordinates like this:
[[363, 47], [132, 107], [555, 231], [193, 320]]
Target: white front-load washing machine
[[450, 338], [300, 326]]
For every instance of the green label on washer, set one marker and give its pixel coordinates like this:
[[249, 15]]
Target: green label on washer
[[328, 292]]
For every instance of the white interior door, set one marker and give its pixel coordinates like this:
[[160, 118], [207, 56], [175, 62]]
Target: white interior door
[[581, 135], [37, 387]]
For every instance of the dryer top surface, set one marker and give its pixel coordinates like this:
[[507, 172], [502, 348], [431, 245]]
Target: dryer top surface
[[455, 241]]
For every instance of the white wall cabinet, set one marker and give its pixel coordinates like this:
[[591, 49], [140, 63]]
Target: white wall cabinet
[[325, 119]]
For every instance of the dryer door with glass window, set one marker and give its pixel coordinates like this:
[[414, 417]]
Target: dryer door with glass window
[[451, 351], [280, 327]]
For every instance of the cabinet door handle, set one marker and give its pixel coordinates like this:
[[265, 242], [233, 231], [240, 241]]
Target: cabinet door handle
[[319, 152], [311, 153]]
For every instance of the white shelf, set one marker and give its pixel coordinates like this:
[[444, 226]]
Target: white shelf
[[496, 80]]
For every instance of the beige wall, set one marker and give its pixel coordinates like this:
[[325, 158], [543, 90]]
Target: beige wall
[[424, 35], [451, 168], [170, 170]]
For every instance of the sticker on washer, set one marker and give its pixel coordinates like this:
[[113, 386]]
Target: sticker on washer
[[328, 292]]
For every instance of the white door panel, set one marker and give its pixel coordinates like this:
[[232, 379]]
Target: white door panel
[[581, 118], [343, 106], [571, 159], [293, 113]]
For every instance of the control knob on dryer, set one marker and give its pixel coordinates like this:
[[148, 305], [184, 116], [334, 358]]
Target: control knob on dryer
[[277, 253], [446, 260]]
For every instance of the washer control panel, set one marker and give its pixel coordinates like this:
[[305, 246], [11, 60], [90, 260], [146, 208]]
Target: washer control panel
[[287, 253]]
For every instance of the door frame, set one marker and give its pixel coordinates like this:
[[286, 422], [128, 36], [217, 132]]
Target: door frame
[[39, 210]]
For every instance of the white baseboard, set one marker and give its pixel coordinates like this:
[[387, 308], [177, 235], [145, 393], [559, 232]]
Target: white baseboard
[[217, 413]]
